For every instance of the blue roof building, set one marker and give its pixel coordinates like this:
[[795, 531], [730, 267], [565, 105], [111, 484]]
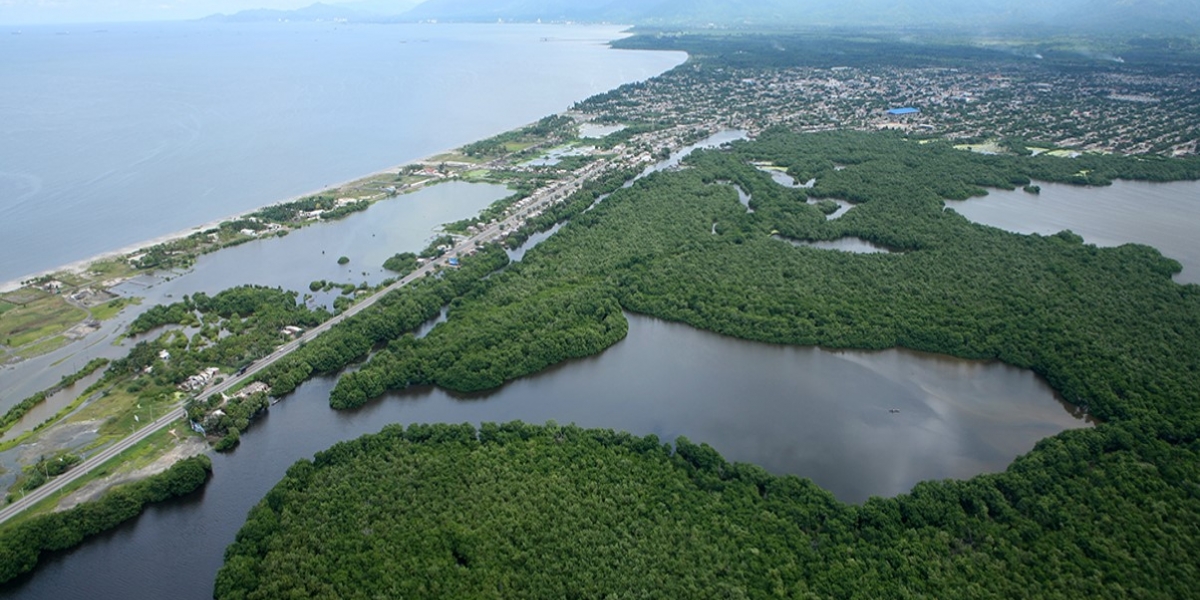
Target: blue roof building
[[904, 110]]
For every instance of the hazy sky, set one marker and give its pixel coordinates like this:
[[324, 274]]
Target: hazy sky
[[19, 12]]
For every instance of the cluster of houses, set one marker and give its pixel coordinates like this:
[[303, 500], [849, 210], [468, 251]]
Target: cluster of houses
[[257, 387], [200, 380]]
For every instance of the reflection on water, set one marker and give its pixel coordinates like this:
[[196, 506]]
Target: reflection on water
[[51, 405], [402, 224], [857, 423], [783, 178], [1163, 215], [844, 244]]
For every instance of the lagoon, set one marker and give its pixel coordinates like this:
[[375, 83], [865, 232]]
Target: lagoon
[[1163, 215], [857, 423]]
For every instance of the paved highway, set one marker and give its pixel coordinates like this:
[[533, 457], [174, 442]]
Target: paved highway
[[93, 462]]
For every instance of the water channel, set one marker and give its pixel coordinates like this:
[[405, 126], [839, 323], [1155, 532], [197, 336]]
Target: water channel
[[856, 423], [402, 224], [815, 413], [1163, 215]]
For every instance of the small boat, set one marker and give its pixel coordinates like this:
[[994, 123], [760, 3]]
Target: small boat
[[893, 410]]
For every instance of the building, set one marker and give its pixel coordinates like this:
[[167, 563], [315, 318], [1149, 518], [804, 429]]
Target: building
[[903, 110]]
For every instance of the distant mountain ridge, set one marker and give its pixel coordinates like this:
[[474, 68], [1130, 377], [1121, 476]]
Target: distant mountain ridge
[[358, 11], [1169, 16], [1180, 15]]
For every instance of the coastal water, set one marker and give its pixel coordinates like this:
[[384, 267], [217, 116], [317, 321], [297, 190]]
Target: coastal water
[[402, 224], [857, 423], [1163, 215], [119, 134]]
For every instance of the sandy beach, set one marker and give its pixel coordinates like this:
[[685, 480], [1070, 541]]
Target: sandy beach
[[81, 266]]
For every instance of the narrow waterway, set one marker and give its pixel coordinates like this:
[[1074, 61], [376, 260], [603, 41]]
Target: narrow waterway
[[402, 224], [857, 423]]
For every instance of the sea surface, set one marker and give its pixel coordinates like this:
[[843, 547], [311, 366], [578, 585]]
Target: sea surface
[[113, 135]]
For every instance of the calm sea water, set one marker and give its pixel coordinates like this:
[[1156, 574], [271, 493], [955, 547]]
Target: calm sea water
[[117, 134]]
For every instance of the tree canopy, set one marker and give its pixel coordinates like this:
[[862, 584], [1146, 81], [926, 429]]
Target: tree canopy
[[520, 511]]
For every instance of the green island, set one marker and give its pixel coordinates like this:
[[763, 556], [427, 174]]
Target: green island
[[518, 510]]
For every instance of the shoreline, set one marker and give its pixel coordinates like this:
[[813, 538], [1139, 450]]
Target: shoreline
[[81, 265]]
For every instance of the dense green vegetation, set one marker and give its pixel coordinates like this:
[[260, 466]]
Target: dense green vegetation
[[505, 143], [1050, 304], [232, 329], [21, 544], [827, 49], [386, 326], [434, 250], [1106, 512], [236, 327], [395, 314], [518, 511], [46, 468], [401, 262], [227, 419]]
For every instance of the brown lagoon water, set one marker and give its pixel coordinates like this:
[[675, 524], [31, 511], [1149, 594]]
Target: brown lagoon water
[[810, 412], [857, 423]]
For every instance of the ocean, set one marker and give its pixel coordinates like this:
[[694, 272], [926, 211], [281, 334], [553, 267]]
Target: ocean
[[115, 135]]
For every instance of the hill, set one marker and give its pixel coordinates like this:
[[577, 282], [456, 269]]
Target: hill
[[362, 11], [1155, 15]]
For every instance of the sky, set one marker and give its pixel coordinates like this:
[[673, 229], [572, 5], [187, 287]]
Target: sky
[[31, 12]]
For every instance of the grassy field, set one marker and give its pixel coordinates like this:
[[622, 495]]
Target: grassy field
[[44, 317], [43, 347], [137, 457], [990, 147], [452, 157], [24, 296], [117, 409], [518, 146], [112, 308]]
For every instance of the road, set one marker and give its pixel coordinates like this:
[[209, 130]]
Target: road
[[93, 462]]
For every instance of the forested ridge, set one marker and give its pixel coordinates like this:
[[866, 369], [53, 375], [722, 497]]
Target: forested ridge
[[1112, 511]]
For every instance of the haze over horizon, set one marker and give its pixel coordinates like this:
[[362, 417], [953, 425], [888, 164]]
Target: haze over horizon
[[56, 12], [1174, 17]]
